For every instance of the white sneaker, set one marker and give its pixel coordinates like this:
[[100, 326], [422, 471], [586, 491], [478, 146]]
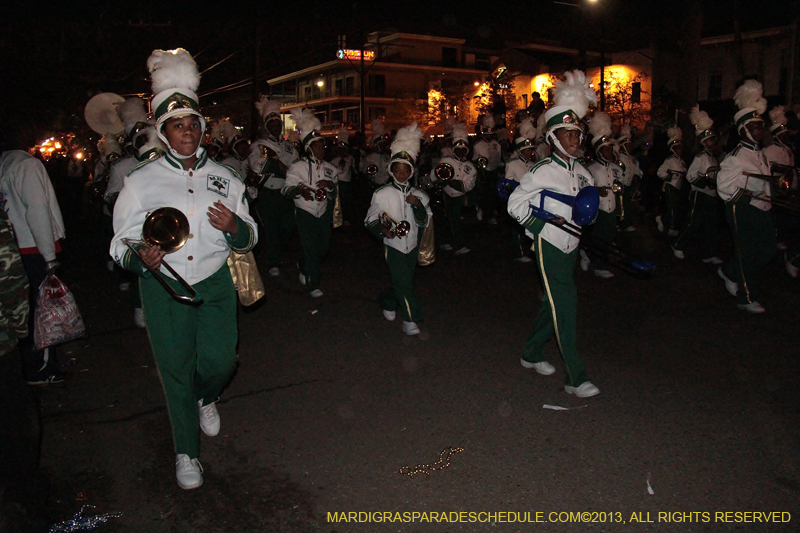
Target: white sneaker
[[446, 247], [189, 472], [712, 260], [677, 253], [316, 293], [463, 250], [659, 224], [790, 268], [584, 261], [389, 315], [544, 368], [479, 214], [630, 228], [110, 266], [605, 274], [125, 286], [523, 259], [275, 272], [302, 278], [209, 418], [731, 286], [753, 307], [584, 390], [410, 328], [672, 233], [138, 317]]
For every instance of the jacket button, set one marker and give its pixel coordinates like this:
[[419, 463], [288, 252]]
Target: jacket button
[[191, 212], [191, 235], [190, 258], [191, 173], [191, 191]]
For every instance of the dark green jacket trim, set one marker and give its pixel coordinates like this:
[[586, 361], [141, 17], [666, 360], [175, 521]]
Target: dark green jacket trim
[[245, 237]]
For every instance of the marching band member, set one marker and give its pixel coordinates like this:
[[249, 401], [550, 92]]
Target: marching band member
[[398, 214], [462, 182], [542, 146], [238, 148], [605, 172], [344, 163], [672, 171], [630, 177], [557, 250], [194, 344], [216, 145], [487, 155], [268, 161], [703, 196], [781, 161], [378, 159], [515, 169], [746, 200], [311, 183]]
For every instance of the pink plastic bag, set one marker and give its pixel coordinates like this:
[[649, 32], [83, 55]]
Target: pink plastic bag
[[57, 318]]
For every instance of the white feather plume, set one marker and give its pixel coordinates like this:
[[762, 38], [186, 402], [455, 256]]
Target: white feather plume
[[488, 121], [541, 125], [460, 132], [700, 119], [600, 125], [748, 96], [343, 136], [305, 121], [625, 131], [108, 144], [266, 107], [407, 140], [228, 130], [132, 111], [293, 137], [574, 92], [173, 69], [777, 115], [675, 133], [526, 129]]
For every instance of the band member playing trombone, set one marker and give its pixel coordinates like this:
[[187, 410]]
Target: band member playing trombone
[[702, 175], [194, 343], [747, 200], [398, 214], [607, 175], [781, 161], [557, 250], [672, 171], [311, 183]]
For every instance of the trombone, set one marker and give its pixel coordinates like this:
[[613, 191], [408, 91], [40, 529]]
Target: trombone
[[788, 203], [399, 229], [167, 228], [781, 183]]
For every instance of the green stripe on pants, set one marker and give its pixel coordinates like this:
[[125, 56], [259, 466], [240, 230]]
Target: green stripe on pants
[[401, 294], [194, 348], [558, 314]]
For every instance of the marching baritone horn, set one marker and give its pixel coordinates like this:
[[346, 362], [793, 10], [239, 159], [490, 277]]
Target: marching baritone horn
[[320, 195], [444, 172], [399, 229], [372, 170], [482, 162], [167, 228]]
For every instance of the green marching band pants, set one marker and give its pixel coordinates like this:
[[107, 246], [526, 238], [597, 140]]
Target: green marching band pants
[[401, 294], [558, 314], [753, 246], [276, 214], [194, 347], [454, 205], [315, 238], [605, 229], [702, 221]]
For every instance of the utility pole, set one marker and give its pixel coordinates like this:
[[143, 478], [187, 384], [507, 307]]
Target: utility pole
[[255, 118]]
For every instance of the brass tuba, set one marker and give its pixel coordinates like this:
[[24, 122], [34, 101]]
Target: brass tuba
[[167, 228], [101, 114]]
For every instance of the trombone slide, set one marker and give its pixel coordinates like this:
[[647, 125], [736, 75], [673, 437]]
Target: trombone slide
[[193, 296]]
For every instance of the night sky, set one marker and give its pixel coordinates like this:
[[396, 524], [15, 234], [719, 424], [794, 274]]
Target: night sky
[[56, 56]]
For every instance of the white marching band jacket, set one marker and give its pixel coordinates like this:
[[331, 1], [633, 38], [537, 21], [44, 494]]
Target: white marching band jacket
[[516, 168], [309, 173], [345, 167], [554, 174], [465, 172], [391, 199], [781, 154], [700, 165], [116, 179], [163, 182], [287, 154], [731, 179], [604, 175], [382, 162], [631, 169], [675, 164], [491, 151]]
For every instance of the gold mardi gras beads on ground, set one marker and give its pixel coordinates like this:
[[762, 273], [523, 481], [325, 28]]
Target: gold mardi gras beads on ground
[[441, 464]]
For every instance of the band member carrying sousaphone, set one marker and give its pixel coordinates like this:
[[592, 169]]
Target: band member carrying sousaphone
[[194, 342], [557, 250], [703, 202], [399, 214]]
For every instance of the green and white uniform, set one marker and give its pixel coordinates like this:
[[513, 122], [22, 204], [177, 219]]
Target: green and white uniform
[[672, 171], [605, 225], [463, 182], [702, 205]]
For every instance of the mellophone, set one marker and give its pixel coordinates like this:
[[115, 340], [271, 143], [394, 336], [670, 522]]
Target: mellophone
[[584, 211]]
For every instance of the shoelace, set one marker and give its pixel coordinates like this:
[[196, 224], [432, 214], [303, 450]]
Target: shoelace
[[184, 463], [209, 413]]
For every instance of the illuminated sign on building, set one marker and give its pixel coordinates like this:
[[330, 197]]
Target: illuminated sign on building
[[355, 55]]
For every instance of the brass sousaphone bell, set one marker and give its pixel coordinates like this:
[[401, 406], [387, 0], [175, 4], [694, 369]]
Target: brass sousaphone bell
[[444, 172], [167, 228]]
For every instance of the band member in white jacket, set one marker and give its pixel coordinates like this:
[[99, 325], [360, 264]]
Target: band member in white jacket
[[399, 214]]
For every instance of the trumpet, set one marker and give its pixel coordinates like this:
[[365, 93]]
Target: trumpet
[[615, 187], [482, 162], [444, 172], [167, 228], [320, 195], [780, 182], [372, 170], [399, 229]]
